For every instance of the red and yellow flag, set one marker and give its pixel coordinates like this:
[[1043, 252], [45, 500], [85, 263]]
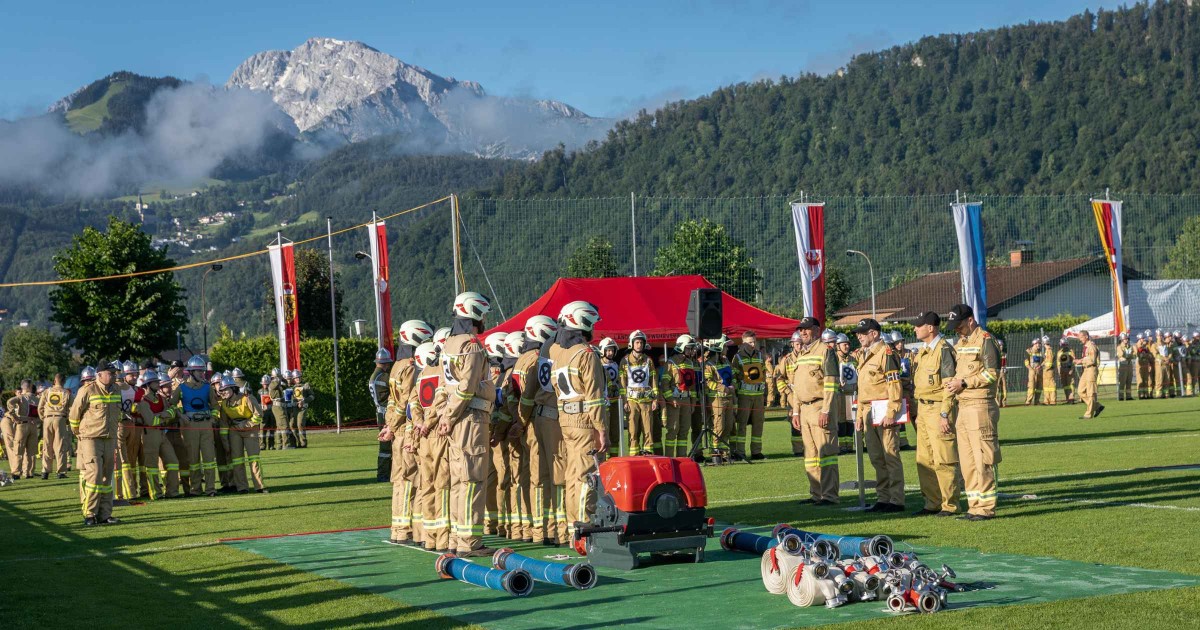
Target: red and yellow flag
[[1108, 221]]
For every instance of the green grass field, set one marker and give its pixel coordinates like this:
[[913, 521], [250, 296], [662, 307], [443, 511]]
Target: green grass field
[[1117, 490]]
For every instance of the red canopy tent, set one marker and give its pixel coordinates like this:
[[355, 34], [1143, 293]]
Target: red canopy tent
[[656, 306]]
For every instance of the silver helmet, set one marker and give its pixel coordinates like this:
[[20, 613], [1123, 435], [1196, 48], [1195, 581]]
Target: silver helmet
[[196, 362], [88, 373], [842, 338], [129, 367], [383, 356], [237, 373], [828, 336]]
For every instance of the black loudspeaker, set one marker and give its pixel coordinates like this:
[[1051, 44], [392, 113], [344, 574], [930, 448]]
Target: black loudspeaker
[[704, 314]]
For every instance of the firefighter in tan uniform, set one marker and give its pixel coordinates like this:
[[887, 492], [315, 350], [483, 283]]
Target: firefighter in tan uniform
[[1090, 362], [937, 443], [719, 388], [23, 414], [470, 396], [1125, 361], [1145, 365], [1035, 359], [612, 394], [1162, 365], [496, 509], [243, 415], [407, 519], [750, 371], [129, 438], [771, 400], [814, 389], [158, 456], [879, 387], [197, 400], [639, 394], [381, 396], [1065, 366], [56, 430], [787, 367], [1193, 361], [426, 402], [974, 387], [94, 416], [580, 387], [847, 390], [682, 400], [539, 415], [520, 518]]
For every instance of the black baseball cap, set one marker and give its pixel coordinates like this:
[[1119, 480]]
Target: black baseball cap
[[177, 363], [106, 366], [958, 314], [928, 318], [809, 323], [867, 324]]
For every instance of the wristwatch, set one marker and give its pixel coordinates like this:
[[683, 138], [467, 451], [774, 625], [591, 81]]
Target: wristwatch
[[945, 416]]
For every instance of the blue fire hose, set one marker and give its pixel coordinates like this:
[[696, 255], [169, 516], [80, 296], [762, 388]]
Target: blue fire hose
[[517, 583], [836, 547], [581, 576], [733, 539]]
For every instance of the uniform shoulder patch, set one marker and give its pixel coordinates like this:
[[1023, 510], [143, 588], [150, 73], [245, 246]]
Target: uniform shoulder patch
[[888, 349], [986, 334]]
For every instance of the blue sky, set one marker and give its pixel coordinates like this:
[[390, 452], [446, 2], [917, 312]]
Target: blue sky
[[607, 58]]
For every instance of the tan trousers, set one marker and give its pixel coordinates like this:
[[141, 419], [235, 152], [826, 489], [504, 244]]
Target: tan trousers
[[96, 460], [301, 426], [883, 447], [820, 452], [129, 462], [613, 417], [496, 508], [679, 421], [406, 511], [469, 464], [175, 439], [1033, 388], [1087, 391], [433, 490], [1124, 381], [161, 464], [979, 453], [244, 445], [198, 438], [547, 481], [1066, 378], [937, 461], [22, 450], [1050, 385], [580, 503], [520, 521], [56, 444], [721, 408], [1194, 384], [645, 429], [1162, 376], [1145, 379], [750, 409], [222, 452]]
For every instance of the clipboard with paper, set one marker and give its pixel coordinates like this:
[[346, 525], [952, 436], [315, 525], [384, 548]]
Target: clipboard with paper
[[879, 410]]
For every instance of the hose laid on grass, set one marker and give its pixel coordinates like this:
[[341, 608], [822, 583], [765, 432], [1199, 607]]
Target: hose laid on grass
[[580, 576], [517, 583], [776, 566]]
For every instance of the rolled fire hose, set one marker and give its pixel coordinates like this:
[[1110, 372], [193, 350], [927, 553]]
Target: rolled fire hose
[[517, 583], [866, 586], [580, 576], [847, 546], [805, 589], [733, 539], [776, 567]]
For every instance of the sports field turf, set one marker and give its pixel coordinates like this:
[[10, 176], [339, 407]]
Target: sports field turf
[[1122, 490]]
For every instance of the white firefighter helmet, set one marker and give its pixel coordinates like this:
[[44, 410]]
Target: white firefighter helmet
[[684, 342], [471, 305], [607, 343], [828, 336], [635, 335], [440, 337], [570, 306], [415, 332], [716, 346], [383, 356], [494, 345], [579, 315], [426, 354], [540, 328], [196, 362], [513, 342]]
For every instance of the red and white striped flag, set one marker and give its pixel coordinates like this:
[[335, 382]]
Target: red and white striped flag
[[1108, 221], [809, 221], [287, 313], [377, 234]]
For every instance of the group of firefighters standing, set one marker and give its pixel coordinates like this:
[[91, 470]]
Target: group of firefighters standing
[[1161, 364], [154, 432]]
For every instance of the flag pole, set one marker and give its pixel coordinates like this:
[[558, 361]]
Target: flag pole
[[375, 284], [337, 390], [454, 241]]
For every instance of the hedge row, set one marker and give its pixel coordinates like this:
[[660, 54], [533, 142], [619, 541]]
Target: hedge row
[[356, 361]]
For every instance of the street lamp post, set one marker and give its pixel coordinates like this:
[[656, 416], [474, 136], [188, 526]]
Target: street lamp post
[[203, 301], [871, 269]]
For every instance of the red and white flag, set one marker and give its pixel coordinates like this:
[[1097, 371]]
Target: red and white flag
[[1108, 222], [287, 313], [377, 233], [809, 221]]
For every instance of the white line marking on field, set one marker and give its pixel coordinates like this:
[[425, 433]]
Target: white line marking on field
[[115, 552]]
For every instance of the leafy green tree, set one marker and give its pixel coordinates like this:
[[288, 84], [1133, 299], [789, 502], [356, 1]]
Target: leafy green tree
[[123, 317], [705, 248], [31, 353], [838, 293], [1184, 259], [594, 259], [904, 276]]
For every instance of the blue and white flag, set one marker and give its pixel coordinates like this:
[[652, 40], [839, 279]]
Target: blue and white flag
[[972, 262]]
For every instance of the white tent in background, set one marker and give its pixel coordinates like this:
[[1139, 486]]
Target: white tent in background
[[1098, 327]]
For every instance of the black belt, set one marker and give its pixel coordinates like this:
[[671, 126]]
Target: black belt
[[929, 402]]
